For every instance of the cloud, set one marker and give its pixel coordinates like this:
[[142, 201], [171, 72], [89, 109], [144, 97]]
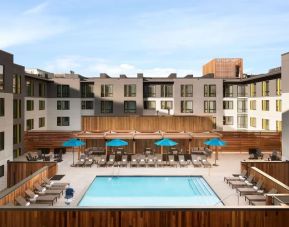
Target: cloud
[[36, 9]]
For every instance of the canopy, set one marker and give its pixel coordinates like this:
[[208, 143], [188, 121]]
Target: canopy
[[166, 143], [216, 142], [116, 143], [73, 142]]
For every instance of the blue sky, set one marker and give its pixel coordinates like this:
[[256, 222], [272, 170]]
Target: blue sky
[[155, 37]]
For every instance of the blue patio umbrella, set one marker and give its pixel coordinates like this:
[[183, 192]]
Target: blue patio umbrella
[[215, 142], [116, 143], [73, 142], [166, 142]]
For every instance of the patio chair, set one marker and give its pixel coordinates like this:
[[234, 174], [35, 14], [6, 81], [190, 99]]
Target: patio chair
[[80, 162], [160, 162], [49, 199], [206, 163], [195, 161], [251, 190], [172, 161], [48, 183], [89, 162], [241, 176], [111, 160], [142, 161], [24, 203], [259, 198], [151, 161], [102, 161], [123, 161], [44, 191], [182, 161], [134, 160], [201, 148], [242, 183]]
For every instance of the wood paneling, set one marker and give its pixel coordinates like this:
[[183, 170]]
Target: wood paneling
[[242, 141], [278, 170], [148, 123], [245, 217], [17, 171]]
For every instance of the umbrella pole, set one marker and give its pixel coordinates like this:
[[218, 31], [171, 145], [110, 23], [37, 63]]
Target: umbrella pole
[[73, 156], [216, 156]]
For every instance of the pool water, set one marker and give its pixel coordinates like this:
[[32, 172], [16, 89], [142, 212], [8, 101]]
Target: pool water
[[149, 191]]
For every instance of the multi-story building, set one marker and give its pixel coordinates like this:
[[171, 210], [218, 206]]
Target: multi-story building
[[47, 101], [285, 108]]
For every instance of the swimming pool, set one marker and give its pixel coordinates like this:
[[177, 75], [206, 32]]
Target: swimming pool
[[149, 191]]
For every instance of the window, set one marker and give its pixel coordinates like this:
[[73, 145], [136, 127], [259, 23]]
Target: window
[[228, 91], [278, 87], [1, 77], [228, 105], [29, 124], [63, 91], [16, 84], [63, 105], [186, 90], [2, 145], [279, 105], [265, 124], [209, 106], [228, 120], [30, 87], [242, 105], [265, 105], [42, 89], [214, 120], [166, 90], [265, 88], [41, 122], [106, 106], [150, 90], [166, 105], [253, 90], [87, 105], [2, 171], [16, 108], [29, 105], [16, 153], [87, 90], [187, 106], [253, 122], [209, 90], [16, 134], [130, 106], [242, 91], [41, 104], [242, 121], [2, 107], [149, 105], [62, 121], [279, 126], [106, 90], [252, 104], [130, 90]]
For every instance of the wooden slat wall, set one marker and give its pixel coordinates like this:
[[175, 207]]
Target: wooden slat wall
[[246, 217], [242, 141], [17, 171], [9, 195], [278, 170], [148, 123]]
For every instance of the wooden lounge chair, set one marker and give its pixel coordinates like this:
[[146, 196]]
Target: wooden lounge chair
[[89, 162], [102, 161], [251, 190], [195, 161], [160, 161], [24, 203], [46, 199], [111, 160], [151, 161], [142, 161], [259, 198], [123, 161], [206, 163], [241, 176], [50, 183], [171, 161], [182, 161], [134, 161], [44, 191], [240, 184]]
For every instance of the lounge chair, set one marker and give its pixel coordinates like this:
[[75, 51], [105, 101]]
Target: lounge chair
[[151, 161], [123, 161], [134, 160], [241, 176], [182, 160], [258, 203], [241, 183], [102, 161], [142, 161], [195, 161], [89, 162], [259, 198], [251, 190], [48, 183], [206, 163], [24, 203], [80, 162], [111, 160], [160, 161], [172, 161], [46, 199], [44, 191]]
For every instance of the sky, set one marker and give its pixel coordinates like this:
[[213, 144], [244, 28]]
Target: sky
[[154, 37]]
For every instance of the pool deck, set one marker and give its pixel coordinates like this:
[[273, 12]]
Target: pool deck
[[229, 163]]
